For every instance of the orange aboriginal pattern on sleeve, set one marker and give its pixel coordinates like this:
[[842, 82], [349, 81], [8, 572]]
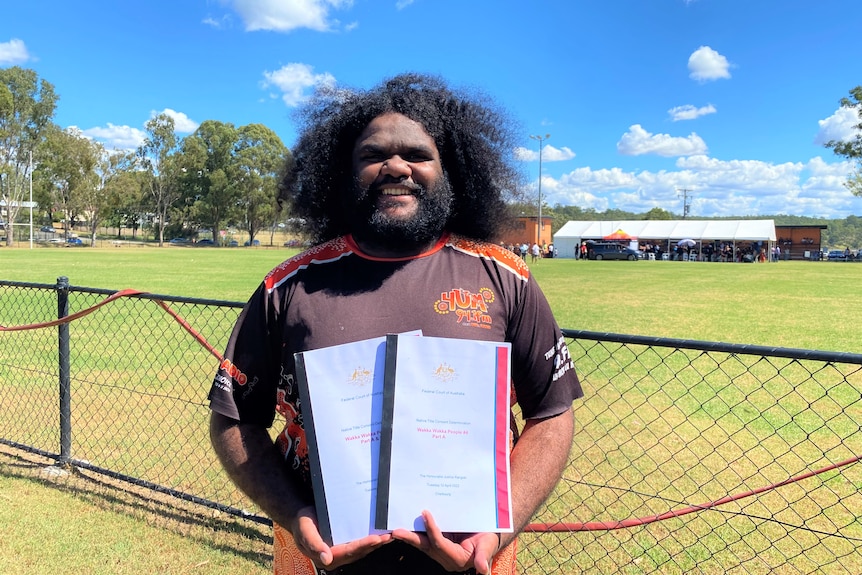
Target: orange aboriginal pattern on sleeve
[[326, 252], [505, 562], [286, 556], [504, 257]]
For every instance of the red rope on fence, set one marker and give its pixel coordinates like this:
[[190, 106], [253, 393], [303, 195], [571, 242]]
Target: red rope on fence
[[533, 527], [194, 333], [122, 293], [638, 521], [74, 316]]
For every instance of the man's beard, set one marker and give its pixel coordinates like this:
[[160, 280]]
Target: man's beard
[[371, 226]]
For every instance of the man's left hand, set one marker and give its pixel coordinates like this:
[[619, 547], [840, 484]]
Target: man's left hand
[[455, 552]]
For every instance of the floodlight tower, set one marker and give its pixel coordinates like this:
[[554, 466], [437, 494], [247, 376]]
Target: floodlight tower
[[541, 140]]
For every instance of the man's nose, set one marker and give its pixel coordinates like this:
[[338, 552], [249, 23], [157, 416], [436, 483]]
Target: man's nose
[[396, 167]]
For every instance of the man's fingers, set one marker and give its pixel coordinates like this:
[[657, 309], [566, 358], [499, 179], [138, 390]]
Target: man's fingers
[[349, 552], [308, 538], [485, 550]]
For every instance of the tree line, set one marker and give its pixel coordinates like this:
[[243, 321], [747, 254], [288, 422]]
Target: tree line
[[221, 175]]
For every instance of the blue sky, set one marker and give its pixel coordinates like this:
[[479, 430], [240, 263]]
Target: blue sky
[[729, 100]]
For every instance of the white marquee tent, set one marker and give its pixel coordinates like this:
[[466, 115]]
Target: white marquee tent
[[570, 236]]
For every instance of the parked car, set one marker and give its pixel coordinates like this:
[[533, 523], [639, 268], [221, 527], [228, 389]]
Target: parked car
[[254, 243], [48, 229], [206, 243], [178, 241], [836, 256], [611, 251], [74, 242]]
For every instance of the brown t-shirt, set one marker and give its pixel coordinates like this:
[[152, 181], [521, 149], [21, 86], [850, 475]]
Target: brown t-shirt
[[334, 294]]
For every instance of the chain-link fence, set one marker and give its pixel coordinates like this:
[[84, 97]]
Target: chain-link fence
[[689, 457]]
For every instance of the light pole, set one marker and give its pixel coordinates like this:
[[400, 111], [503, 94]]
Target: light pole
[[31, 198], [3, 196], [539, 222]]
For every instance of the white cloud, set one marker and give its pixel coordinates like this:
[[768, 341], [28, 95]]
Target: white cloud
[[295, 81], [840, 126], [718, 188], [689, 112], [218, 23], [401, 4], [284, 16], [706, 64], [549, 154], [638, 141], [182, 123], [128, 138], [13, 52], [117, 137]]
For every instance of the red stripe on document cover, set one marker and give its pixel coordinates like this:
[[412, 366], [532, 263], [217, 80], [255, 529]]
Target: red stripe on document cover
[[501, 439]]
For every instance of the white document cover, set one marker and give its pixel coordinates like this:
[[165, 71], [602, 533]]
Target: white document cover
[[341, 390], [445, 435]]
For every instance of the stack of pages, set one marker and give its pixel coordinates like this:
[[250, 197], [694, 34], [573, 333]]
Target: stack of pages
[[404, 423]]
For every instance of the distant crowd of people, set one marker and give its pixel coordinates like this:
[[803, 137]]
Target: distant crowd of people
[[719, 252], [534, 250], [705, 252]]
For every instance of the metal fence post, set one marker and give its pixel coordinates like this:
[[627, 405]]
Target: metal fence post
[[64, 371]]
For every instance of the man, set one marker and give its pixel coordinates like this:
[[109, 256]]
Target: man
[[402, 188]]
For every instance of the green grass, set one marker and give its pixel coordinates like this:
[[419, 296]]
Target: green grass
[[811, 305], [87, 532], [218, 273], [664, 422]]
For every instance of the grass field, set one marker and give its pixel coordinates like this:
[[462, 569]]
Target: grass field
[[788, 304], [811, 305]]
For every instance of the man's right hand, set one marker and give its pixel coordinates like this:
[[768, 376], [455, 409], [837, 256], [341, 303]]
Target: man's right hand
[[308, 540], [254, 464]]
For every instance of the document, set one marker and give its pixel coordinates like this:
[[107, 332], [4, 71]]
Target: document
[[445, 435], [341, 390]]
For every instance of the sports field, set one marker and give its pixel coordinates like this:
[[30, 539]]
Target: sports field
[[811, 305], [789, 304]]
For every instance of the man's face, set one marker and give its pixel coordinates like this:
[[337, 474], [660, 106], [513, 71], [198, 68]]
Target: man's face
[[402, 199]]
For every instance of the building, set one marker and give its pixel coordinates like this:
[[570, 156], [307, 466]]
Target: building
[[801, 242], [523, 231]]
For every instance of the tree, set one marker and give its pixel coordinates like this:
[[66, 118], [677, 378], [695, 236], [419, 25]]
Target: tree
[[157, 155], [67, 171], [209, 173], [852, 148], [124, 188], [27, 107], [114, 179], [658, 214], [260, 159]]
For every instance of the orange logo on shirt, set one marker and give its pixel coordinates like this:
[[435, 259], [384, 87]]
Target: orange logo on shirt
[[470, 308], [233, 371]]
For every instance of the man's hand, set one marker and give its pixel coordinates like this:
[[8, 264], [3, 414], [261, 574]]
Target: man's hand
[[308, 540], [255, 466], [455, 552]]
